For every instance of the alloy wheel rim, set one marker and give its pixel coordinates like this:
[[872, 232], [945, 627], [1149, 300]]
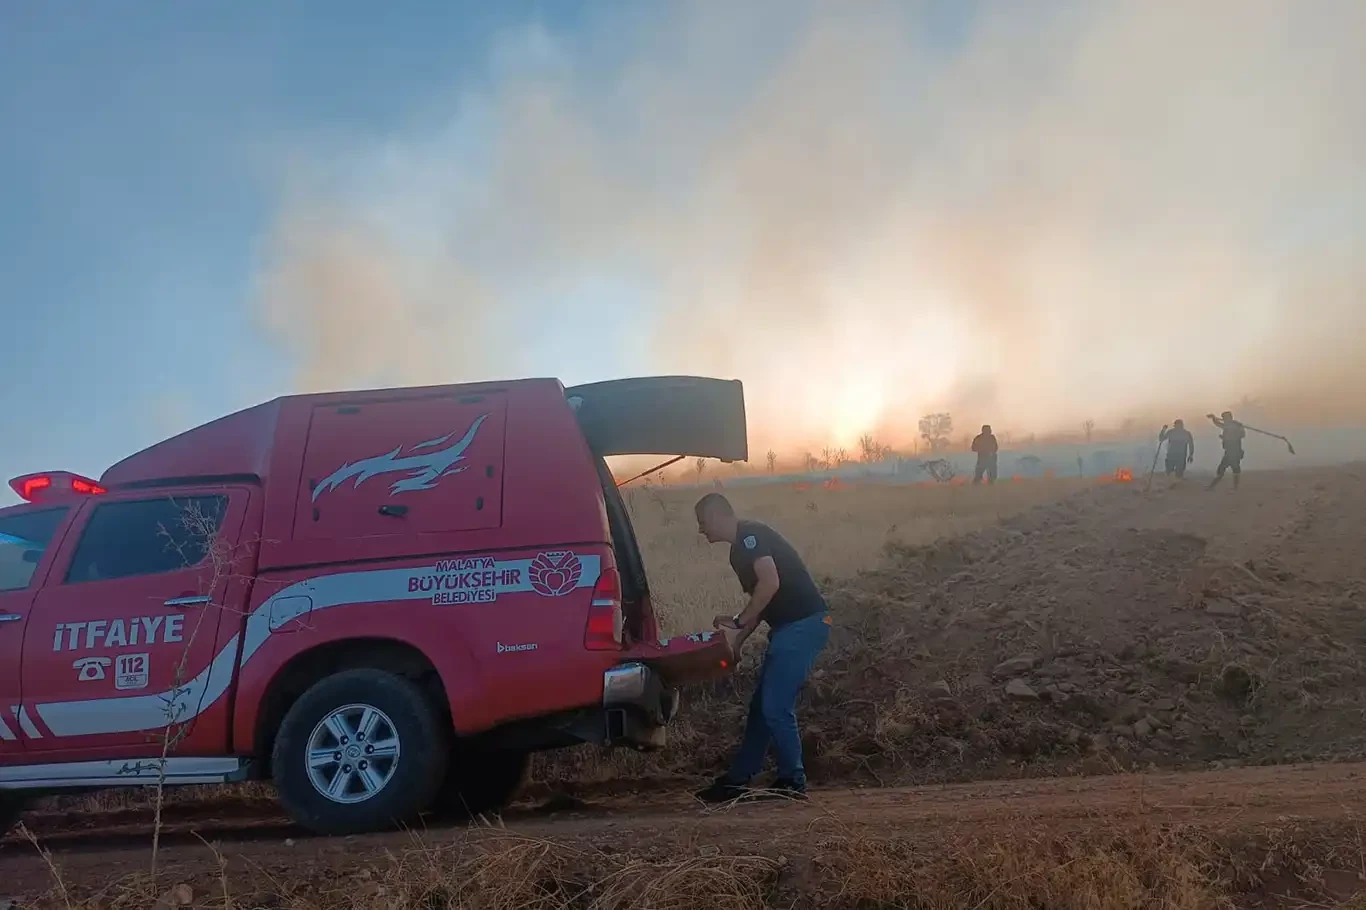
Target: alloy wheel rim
[[352, 754]]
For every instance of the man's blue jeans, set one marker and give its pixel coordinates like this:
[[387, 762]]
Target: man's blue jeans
[[792, 650]]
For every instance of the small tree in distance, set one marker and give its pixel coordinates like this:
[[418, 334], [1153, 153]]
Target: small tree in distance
[[772, 459], [1088, 426], [936, 430], [699, 466], [872, 450]]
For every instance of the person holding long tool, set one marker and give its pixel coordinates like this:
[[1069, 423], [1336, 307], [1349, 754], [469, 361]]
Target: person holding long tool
[[1180, 448], [1231, 436]]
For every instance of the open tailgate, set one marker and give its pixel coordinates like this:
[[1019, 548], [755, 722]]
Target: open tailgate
[[688, 659], [663, 415]]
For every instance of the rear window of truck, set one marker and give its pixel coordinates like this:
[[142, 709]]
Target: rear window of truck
[[24, 538]]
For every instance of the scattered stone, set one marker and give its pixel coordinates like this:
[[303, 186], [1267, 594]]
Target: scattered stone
[[1123, 731], [1018, 688], [1154, 722], [1184, 729], [182, 895], [1164, 704], [1223, 608], [941, 688], [1247, 720], [949, 744], [1073, 736], [1100, 742], [1143, 729], [1015, 666]]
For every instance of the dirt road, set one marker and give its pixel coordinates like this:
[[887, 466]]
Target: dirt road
[[1223, 801]]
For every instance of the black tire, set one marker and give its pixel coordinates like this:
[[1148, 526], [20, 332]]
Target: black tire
[[480, 781], [416, 774]]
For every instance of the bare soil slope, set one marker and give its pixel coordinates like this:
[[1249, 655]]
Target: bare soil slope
[[1110, 629]]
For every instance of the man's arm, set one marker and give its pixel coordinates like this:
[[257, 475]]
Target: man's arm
[[765, 586], [1190, 443]]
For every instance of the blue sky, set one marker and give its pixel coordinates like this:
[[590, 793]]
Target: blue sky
[[135, 192], [136, 175], [864, 210]]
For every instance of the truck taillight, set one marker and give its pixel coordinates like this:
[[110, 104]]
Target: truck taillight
[[603, 632], [41, 487]]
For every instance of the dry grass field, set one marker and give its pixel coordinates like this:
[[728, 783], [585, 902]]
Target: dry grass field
[[839, 532]]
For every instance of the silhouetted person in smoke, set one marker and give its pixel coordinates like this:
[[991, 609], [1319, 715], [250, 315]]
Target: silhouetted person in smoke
[[986, 448], [1180, 448], [1232, 439]]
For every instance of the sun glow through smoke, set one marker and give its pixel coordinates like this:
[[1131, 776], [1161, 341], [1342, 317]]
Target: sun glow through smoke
[[1106, 210]]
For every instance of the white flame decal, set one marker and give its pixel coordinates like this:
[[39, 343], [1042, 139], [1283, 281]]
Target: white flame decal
[[424, 469]]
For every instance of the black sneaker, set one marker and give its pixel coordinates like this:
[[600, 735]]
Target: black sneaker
[[721, 791]]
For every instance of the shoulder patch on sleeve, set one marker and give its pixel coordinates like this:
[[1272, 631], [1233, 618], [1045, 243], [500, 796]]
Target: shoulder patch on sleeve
[[751, 542]]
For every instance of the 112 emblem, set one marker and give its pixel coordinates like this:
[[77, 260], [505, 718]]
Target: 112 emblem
[[130, 671]]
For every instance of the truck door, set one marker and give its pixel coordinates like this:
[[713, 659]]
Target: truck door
[[123, 643], [27, 538]]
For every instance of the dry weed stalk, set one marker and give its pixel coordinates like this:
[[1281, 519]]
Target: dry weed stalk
[[200, 544]]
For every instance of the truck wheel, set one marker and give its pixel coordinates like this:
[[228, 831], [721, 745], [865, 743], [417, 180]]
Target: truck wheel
[[480, 781], [359, 751]]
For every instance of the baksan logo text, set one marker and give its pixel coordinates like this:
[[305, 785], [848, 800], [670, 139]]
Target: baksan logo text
[[504, 649]]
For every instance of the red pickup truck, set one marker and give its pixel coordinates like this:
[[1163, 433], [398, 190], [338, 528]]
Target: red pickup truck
[[383, 601]]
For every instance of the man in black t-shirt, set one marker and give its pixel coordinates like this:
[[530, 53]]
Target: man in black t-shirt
[[782, 594]]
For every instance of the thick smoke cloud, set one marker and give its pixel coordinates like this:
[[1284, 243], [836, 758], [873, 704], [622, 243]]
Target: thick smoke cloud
[[1042, 214]]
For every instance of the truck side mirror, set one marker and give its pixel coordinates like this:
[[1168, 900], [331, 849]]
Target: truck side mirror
[[33, 557]]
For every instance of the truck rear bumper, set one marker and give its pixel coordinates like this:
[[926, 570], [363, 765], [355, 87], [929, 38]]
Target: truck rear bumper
[[637, 706]]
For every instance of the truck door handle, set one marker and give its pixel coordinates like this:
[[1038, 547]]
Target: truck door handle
[[393, 511], [195, 601], [11, 617]]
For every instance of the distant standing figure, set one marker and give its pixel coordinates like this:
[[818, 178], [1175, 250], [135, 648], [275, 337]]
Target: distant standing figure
[[986, 448], [1232, 438], [1180, 448]]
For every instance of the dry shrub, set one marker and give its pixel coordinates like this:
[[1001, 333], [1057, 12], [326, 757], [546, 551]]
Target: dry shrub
[[1136, 869], [1100, 867], [497, 871]]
